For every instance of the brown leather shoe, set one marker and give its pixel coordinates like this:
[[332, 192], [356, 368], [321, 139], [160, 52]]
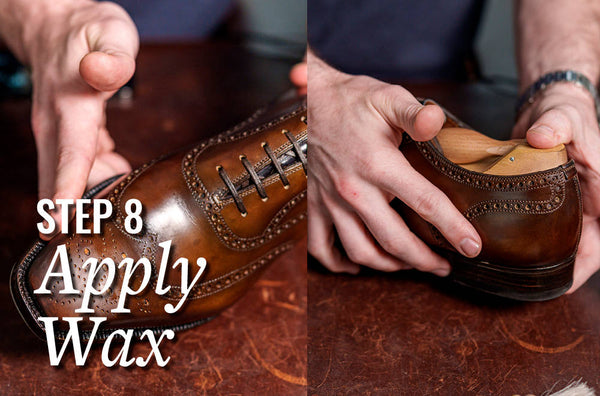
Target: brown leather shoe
[[238, 200], [529, 218]]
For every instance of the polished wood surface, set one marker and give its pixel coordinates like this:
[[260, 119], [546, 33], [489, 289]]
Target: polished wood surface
[[183, 93], [411, 333]]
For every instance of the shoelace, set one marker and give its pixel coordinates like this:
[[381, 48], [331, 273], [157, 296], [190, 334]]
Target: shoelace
[[256, 178]]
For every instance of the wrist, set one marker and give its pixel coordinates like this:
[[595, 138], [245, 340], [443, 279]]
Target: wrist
[[530, 76], [557, 96], [569, 91], [564, 84]]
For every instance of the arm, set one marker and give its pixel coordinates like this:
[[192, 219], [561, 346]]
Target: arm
[[558, 35], [80, 53], [356, 169], [554, 35]]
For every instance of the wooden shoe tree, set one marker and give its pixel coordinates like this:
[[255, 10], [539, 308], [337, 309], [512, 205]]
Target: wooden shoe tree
[[477, 152]]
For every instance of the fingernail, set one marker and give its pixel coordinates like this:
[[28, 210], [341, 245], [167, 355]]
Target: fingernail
[[444, 271], [542, 129], [469, 247]]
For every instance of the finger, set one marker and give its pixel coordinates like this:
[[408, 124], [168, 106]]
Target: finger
[[588, 256], [358, 242], [321, 242], [106, 165], [427, 201], [552, 128], [105, 142], [46, 145], [77, 140], [111, 61], [393, 235], [298, 75], [400, 109], [45, 142]]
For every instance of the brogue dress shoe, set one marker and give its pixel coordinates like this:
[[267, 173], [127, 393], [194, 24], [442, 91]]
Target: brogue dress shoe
[[524, 203], [238, 200]]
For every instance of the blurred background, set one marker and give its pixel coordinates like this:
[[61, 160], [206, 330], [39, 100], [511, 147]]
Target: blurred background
[[495, 42], [272, 28], [269, 28]]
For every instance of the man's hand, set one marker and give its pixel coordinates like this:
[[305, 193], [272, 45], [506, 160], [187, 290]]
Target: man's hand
[[299, 77], [565, 113], [356, 169], [80, 53]]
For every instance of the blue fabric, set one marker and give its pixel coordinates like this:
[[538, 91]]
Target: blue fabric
[[160, 20], [395, 39]]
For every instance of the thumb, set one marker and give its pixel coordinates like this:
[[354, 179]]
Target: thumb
[[400, 109], [111, 61], [106, 72], [551, 129]]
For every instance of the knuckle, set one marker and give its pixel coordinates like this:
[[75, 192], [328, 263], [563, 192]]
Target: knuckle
[[336, 267], [348, 189], [67, 156], [316, 248], [388, 174], [559, 117], [409, 113], [373, 167], [361, 256], [382, 97], [37, 124], [426, 205], [392, 245], [404, 249], [382, 94]]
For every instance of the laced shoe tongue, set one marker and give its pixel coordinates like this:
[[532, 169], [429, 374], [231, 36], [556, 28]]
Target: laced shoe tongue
[[286, 159]]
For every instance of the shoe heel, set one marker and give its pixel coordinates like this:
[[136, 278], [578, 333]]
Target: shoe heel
[[525, 284]]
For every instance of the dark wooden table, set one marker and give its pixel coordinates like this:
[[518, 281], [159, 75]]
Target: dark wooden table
[[183, 93], [412, 334]]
